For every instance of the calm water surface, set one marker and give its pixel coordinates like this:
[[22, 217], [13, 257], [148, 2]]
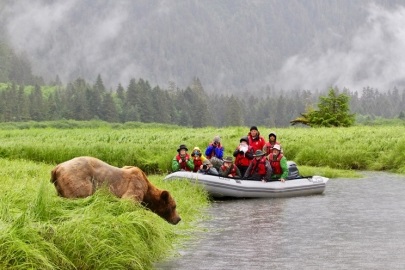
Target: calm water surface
[[355, 224]]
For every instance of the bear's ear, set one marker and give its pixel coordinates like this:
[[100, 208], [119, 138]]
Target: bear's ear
[[164, 195]]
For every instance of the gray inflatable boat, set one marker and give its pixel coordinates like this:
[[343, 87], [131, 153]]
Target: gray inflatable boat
[[218, 186]]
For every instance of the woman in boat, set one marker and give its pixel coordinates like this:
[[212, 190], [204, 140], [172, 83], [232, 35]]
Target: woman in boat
[[272, 142], [243, 155], [215, 152], [182, 161], [278, 163], [256, 141], [228, 169], [259, 169], [198, 158], [207, 168]]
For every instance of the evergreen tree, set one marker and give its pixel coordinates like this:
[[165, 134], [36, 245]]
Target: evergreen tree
[[22, 113], [131, 110], [144, 101], [57, 81], [251, 116], [120, 92], [99, 85], [95, 98], [280, 113], [108, 109], [333, 111], [11, 97], [80, 106], [120, 101], [7, 101], [161, 104], [76, 101], [55, 106], [197, 102], [36, 104], [216, 112], [182, 109], [233, 112]]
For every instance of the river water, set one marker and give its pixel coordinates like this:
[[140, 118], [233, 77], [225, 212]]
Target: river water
[[355, 224]]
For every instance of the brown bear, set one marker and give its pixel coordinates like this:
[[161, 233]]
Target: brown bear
[[81, 176]]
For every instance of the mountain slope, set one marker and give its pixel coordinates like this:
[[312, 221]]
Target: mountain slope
[[230, 45]]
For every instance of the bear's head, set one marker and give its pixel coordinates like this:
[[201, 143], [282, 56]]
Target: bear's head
[[165, 207]]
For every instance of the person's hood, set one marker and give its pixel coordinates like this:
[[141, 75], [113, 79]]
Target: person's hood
[[272, 132]]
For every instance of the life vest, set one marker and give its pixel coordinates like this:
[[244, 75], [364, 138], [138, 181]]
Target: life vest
[[242, 160], [269, 147], [259, 166], [183, 164], [197, 164], [232, 172], [256, 143], [275, 164]]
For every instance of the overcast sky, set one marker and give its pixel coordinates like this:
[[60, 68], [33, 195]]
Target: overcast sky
[[374, 56]]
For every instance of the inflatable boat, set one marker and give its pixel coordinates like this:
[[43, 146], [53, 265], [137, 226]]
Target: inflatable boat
[[218, 186]]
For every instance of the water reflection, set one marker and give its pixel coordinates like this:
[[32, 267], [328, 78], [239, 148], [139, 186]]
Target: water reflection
[[355, 224]]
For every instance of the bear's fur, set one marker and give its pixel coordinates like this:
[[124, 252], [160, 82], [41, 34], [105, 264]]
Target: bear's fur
[[81, 176]]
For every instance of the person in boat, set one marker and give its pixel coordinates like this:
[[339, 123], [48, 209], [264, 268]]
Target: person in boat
[[215, 152], [259, 168], [272, 142], [256, 141], [228, 169], [198, 158], [182, 161], [207, 168], [278, 163], [243, 155]]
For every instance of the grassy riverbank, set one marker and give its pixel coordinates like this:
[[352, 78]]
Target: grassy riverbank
[[39, 230], [152, 146], [42, 231]]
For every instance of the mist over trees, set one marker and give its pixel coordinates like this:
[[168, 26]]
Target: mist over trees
[[192, 106], [218, 63], [232, 45]]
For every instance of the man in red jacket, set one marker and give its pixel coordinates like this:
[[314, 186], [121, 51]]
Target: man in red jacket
[[260, 168], [243, 155], [256, 141]]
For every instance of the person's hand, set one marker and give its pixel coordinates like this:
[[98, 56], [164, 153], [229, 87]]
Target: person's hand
[[282, 180], [230, 175]]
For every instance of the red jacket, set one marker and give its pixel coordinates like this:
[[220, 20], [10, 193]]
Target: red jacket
[[243, 159], [256, 143], [269, 146], [183, 165], [275, 164], [197, 164], [259, 166], [232, 171]]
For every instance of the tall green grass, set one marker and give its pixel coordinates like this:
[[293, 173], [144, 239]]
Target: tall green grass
[[39, 230], [151, 147]]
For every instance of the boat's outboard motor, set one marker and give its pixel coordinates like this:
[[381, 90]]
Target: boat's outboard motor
[[293, 172]]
